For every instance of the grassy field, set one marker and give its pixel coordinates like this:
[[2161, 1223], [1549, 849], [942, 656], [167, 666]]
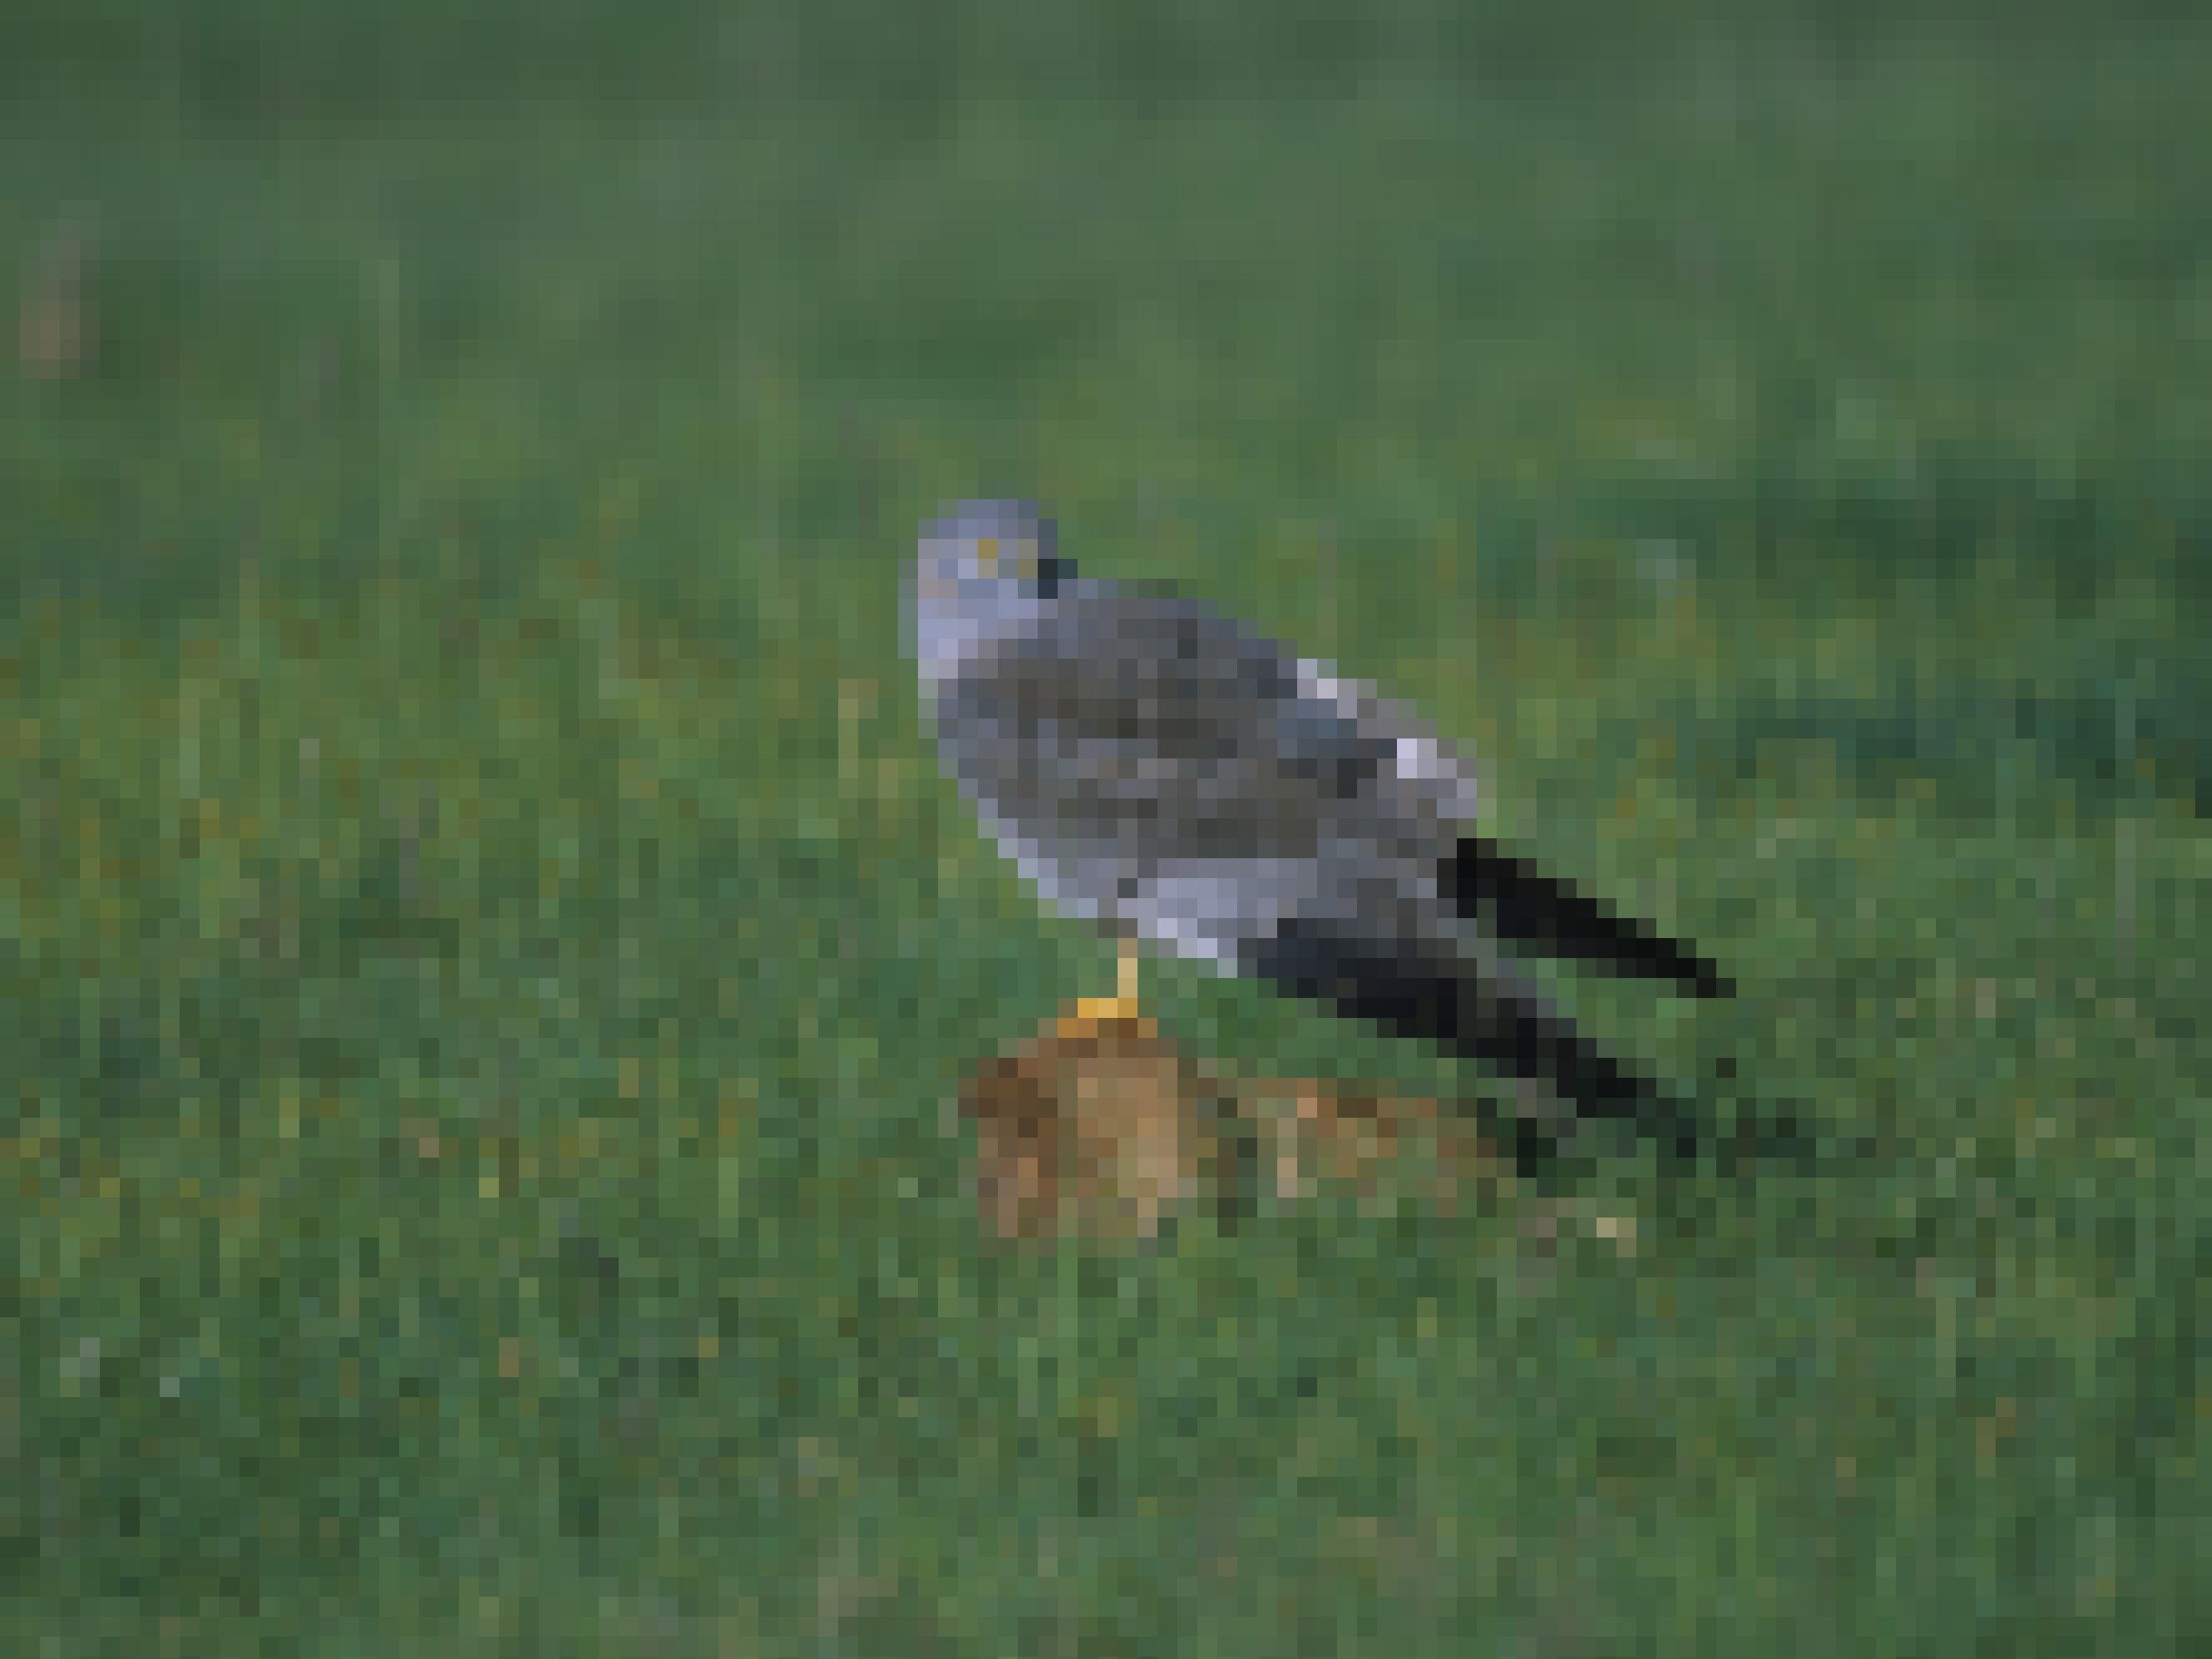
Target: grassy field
[[487, 949]]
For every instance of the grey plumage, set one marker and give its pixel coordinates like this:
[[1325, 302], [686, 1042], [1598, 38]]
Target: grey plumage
[[1161, 769]]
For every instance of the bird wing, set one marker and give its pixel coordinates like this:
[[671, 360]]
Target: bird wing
[[1149, 726], [1480, 1010], [1511, 900]]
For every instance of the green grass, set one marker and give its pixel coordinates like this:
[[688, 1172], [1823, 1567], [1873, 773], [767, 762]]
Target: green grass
[[486, 947]]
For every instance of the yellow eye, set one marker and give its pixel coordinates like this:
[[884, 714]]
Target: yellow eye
[[986, 553]]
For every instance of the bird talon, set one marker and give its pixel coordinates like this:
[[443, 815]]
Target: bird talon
[[1093, 1017]]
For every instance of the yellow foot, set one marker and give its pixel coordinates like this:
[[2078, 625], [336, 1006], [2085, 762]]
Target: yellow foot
[[1093, 1017]]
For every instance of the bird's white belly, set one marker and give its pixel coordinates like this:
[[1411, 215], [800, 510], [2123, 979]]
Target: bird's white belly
[[1202, 910]]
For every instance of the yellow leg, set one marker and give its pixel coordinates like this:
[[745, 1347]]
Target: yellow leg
[[1092, 1013]]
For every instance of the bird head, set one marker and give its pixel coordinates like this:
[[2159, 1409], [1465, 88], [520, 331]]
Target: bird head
[[980, 567], [990, 542]]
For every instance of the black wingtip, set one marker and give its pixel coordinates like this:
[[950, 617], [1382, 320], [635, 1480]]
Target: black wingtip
[[1414, 996], [1517, 903]]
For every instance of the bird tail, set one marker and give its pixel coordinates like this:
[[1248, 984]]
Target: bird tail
[[1413, 994], [1514, 902]]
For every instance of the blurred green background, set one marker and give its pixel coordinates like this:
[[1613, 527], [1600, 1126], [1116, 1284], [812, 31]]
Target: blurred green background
[[487, 949]]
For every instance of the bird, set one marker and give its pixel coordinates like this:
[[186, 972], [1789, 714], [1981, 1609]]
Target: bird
[[1165, 772]]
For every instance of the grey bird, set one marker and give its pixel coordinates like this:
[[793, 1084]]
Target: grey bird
[[1162, 770]]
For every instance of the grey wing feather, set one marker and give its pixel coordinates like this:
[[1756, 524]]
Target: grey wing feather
[[1422, 788], [1152, 726]]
